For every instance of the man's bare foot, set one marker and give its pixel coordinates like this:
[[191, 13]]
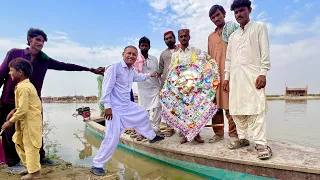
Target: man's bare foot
[[199, 139], [183, 140], [35, 175]]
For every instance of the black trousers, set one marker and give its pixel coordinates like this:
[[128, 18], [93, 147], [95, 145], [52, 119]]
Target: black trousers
[[10, 152]]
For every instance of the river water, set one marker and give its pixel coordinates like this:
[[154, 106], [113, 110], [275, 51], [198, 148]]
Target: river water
[[293, 122]]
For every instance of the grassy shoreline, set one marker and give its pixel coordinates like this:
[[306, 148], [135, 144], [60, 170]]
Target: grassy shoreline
[[62, 171]]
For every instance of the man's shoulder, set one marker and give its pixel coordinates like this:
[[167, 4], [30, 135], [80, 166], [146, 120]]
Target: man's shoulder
[[113, 64], [26, 86], [152, 57], [195, 49], [16, 51], [163, 52], [258, 23], [211, 34]]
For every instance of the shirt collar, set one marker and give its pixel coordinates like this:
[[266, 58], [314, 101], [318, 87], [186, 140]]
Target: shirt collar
[[26, 51], [246, 26], [124, 65], [187, 49], [23, 82]]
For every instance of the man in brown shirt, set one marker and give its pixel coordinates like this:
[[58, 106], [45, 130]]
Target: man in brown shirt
[[164, 63], [165, 57], [217, 49]]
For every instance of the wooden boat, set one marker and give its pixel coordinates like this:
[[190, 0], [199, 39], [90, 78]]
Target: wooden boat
[[216, 161]]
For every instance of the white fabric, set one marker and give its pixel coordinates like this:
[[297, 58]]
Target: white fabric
[[149, 89], [156, 118], [184, 56], [255, 123], [247, 58], [117, 84], [116, 88]]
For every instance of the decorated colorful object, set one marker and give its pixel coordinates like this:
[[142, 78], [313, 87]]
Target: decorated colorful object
[[228, 29], [188, 94]]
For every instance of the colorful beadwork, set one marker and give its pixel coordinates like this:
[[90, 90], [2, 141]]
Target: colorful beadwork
[[188, 94]]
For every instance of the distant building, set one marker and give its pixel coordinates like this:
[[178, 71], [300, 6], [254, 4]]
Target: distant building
[[291, 92], [91, 98]]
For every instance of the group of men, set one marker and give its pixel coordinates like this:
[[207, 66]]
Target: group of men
[[242, 54]]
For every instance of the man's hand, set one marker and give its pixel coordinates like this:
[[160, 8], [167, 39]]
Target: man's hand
[[6, 125], [261, 82], [99, 70], [108, 114], [155, 74], [226, 86], [10, 114]]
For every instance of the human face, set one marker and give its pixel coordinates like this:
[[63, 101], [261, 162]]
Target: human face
[[36, 42], [184, 39], [169, 40], [144, 48], [242, 15], [218, 18], [130, 56], [15, 75]]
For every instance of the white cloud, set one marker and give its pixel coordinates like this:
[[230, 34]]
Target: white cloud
[[62, 48], [287, 59], [262, 16], [308, 6], [192, 14], [294, 28]]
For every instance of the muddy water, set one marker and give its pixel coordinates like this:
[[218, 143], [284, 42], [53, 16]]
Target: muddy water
[[293, 122], [79, 147]]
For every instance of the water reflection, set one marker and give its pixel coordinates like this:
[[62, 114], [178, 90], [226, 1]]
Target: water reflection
[[87, 149], [294, 109], [126, 165], [294, 122]]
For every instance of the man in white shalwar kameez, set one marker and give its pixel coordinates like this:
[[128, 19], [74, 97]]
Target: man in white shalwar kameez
[[149, 89], [184, 55], [247, 63], [120, 112]]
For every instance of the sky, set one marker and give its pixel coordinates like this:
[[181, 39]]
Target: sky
[[94, 33]]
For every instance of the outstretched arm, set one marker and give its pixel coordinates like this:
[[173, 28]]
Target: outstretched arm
[[61, 66], [138, 77]]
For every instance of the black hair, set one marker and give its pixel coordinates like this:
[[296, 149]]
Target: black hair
[[169, 33], [22, 64], [130, 46], [240, 3], [214, 8], [144, 40], [33, 32]]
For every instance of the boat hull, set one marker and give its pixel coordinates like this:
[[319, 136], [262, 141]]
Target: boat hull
[[188, 157]]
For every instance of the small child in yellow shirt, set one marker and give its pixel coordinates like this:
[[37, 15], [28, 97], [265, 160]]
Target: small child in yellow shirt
[[27, 118]]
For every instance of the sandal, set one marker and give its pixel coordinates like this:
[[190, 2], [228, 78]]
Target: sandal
[[140, 138], [169, 133], [264, 152], [238, 144], [133, 135], [215, 139]]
